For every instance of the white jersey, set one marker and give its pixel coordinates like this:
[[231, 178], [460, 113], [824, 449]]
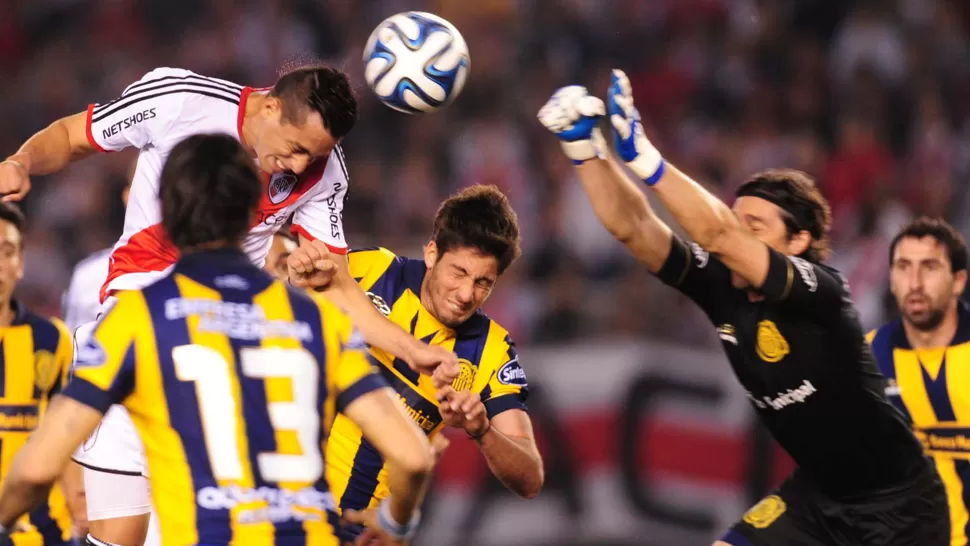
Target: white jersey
[[80, 303], [156, 113]]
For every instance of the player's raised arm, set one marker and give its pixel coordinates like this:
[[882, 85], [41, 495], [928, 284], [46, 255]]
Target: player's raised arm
[[312, 265], [705, 218], [48, 151], [572, 115], [371, 405], [136, 118]]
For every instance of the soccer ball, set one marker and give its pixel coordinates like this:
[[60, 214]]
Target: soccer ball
[[416, 62]]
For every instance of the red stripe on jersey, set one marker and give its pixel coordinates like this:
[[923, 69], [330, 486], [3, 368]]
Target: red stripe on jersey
[[243, 98], [87, 130], [300, 230], [148, 250]]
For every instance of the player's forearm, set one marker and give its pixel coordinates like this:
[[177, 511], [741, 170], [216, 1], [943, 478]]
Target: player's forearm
[[407, 486], [624, 210], [514, 461], [703, 216], [22, 492], [618, 203], [49, 150], [375, 327]]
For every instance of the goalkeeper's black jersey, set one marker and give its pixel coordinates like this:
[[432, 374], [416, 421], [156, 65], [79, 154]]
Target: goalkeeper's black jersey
[[801, 355]]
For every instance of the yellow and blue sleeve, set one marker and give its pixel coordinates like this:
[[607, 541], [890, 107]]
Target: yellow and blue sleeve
[[367, 265], [104, 371], [507, 387]]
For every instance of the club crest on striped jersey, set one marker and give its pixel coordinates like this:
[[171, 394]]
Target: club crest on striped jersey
[[466, 375], [281, 186]]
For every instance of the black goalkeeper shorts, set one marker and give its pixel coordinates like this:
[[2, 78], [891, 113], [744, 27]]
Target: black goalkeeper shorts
[[798, 514]]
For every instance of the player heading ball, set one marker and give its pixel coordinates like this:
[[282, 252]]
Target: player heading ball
[[207, 385]]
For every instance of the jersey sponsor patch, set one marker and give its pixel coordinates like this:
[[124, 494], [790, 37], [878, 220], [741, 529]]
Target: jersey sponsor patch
[[806, 271], [765, 512], [90, 354], [127, 123], [772, 346], [512, 374], [700, 255]]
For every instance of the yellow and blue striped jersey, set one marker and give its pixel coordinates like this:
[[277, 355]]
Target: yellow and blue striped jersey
[[486, 353], [932, 388], [233, 381], [37, 353]]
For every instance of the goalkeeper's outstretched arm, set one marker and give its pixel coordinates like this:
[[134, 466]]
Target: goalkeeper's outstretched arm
[[572, 115], [706, 219], [624, 210]]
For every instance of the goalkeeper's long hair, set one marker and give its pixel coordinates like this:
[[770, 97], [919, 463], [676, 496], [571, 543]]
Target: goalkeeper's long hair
[[804, 208], [210, 189]]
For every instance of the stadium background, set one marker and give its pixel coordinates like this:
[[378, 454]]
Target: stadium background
[[647, 437]]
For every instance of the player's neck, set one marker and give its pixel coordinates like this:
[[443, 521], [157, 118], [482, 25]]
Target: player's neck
[[425, 298], [254, 103], [6, 313], [937, 337]]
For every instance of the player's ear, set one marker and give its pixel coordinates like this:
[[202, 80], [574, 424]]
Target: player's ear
[[959, 282], [430, 254], [272, 108], [799, 243]]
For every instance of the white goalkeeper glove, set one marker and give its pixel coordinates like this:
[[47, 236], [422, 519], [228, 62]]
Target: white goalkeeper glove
[[572, 114], [629, 140]]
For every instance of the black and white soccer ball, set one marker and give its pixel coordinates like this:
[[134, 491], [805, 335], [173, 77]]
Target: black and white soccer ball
[[416, 62]]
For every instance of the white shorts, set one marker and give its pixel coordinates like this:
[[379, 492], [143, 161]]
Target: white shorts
[[111, 496]]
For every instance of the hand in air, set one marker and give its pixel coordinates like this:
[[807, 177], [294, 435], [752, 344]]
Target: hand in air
[[436, 361], [14, 181], [573, 115], [463, 410], [629, 139], [310, 266]]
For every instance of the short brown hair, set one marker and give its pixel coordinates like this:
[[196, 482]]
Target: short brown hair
[[12, 213], [478, 216], [319, 89], [804, 208], [943, 232], [209, 190]]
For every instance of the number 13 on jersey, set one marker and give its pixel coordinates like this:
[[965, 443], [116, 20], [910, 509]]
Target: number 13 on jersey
[[210, 372]]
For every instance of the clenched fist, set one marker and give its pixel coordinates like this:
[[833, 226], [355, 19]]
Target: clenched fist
[[14, 180], [463, 410], [310, 266]]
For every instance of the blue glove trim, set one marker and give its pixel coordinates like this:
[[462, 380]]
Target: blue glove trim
[[655, 177], [580, 161]]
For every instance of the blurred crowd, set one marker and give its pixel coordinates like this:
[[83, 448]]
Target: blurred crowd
[[872, 98]]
